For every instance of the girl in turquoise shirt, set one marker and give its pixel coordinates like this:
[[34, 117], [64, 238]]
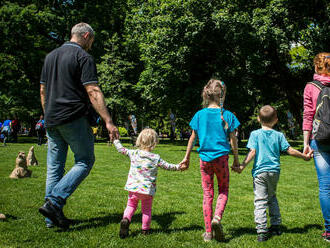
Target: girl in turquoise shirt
[[215, 128]]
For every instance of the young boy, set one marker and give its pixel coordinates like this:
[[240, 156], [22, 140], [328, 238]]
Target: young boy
[[265, 145]]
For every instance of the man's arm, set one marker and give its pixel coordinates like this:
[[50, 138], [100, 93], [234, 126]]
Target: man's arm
[[42, 96], [97, 99]]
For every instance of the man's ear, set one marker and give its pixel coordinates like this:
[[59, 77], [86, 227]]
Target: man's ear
[[85, 35], [258, 118]]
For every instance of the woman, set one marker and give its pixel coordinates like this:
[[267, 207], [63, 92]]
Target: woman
[[321, 151]]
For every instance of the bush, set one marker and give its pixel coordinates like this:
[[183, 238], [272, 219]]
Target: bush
[[122, 132]]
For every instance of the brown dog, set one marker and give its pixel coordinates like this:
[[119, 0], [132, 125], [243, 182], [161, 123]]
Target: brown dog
[[20, 170], [31, 158]]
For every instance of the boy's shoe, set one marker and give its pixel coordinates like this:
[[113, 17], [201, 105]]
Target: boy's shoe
[[262, 237], [275, 230], [326, 236], [55, 214], [217, 230], [124, 228], [207, 236], [145, 232]]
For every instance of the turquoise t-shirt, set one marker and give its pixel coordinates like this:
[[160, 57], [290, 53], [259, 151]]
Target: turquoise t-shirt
[[268, 145], [213, 139]]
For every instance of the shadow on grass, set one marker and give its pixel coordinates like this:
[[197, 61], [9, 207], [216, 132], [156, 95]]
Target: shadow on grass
[[237, 232], [164, 220]]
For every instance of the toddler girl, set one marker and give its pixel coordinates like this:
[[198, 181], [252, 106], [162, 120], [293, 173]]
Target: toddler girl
[[213, 125], [141, 182]]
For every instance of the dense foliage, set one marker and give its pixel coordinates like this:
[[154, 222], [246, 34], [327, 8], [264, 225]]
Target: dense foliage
[[155, 56]]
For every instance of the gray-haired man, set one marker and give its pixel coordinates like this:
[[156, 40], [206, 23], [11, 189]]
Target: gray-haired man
[[67, 87]]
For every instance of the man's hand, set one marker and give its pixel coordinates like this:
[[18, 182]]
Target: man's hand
[[113, 131]]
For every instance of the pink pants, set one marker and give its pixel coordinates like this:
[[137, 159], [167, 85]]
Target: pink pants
[[219, 167], [146, 206]]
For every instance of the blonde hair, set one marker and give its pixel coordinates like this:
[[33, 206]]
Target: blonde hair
[[267, 114], [322, 63], [148, 138], [214, 91]]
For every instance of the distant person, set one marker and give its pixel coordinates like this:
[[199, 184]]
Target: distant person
[[1, 135], [265, 146], [214, 126], [68, 87], [6, 130], [315, 123], [16, 126], [142, 176], [40, 129]]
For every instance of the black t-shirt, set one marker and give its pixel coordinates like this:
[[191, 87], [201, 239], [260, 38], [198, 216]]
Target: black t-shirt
[[65, 72]]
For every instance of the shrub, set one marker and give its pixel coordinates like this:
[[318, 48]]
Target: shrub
[[122, 132]]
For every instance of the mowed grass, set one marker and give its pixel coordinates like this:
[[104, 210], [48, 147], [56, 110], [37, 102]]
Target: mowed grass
[[98, 204]]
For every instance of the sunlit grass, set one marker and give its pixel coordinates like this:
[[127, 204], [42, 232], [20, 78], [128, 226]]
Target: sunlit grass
[[98, 204]]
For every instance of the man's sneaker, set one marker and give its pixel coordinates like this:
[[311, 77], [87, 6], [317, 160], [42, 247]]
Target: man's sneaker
[[55, 214], [124, 228], [262, 237], [275, 230], [326, 236], [217, 230], [207, 236]]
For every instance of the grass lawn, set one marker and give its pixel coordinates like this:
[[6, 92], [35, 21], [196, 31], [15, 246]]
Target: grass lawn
[[98, 204]]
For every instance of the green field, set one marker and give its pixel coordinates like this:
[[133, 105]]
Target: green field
[[98, 204]]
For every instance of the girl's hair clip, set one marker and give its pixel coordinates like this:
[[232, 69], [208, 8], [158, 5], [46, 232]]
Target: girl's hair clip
[[327, 57], [223, 83]]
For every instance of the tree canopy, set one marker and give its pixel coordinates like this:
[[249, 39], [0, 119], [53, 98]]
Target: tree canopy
[[155, 56]]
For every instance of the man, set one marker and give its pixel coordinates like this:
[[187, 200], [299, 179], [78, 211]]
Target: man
[[68, 85]]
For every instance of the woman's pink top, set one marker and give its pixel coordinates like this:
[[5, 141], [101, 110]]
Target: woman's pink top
[[311, 93]]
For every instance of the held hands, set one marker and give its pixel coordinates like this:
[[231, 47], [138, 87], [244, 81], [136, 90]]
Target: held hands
[[308, 156], [184, 164], [238, 169], [113, 131], [308, 153]]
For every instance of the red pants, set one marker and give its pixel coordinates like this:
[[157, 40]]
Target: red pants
[[219, 167]]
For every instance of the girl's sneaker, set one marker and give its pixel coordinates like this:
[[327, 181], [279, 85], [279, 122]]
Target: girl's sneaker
[[145, 232], [207, 236], [217, 230], [326, 236], [124, 228]]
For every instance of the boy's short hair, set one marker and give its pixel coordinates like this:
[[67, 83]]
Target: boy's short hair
[[267, 114], [148, 138]]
